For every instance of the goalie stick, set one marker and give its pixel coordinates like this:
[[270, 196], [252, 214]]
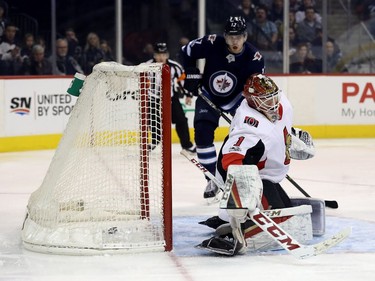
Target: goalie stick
[[284, 239], [328, 203]]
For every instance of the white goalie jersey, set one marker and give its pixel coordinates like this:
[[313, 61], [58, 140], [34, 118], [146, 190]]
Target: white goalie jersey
[[251, 129]]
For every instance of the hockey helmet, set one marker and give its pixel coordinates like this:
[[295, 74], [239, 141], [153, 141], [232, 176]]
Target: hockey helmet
[[235, 25], [262, 93], [161, 48]]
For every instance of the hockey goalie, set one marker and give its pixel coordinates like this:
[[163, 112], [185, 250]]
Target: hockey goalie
[[253, 160]]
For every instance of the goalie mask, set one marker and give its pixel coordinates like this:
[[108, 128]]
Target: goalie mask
[[262, 93]]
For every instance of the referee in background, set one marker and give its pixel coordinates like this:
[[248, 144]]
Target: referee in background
[[161, 55]]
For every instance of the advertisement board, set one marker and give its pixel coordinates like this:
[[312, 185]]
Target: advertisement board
[[332, 100], [38, 109], [36, 106]]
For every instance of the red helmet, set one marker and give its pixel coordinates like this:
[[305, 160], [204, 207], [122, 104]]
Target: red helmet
[[262, 93]]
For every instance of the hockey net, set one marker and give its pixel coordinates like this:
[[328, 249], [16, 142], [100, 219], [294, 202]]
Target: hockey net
[[107, 190]]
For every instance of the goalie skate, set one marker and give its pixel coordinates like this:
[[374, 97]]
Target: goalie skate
[[213, 222], [211, 190], [223, 246]]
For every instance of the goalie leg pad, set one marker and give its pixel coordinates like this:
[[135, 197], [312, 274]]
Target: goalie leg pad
[[318, 213], [243, 188], [299, 226], [242, 193]]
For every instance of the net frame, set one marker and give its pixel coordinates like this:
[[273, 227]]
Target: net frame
[[51, 237]]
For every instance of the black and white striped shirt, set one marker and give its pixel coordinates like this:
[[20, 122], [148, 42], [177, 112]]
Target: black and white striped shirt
[[177, 82]]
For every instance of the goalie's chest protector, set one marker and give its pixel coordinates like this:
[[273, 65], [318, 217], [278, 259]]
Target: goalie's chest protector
[[250, 127]]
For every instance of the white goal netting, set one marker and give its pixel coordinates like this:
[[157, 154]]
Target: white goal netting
[[105, 188]]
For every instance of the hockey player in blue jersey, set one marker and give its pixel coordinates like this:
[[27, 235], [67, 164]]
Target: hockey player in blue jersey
[[230, 60]]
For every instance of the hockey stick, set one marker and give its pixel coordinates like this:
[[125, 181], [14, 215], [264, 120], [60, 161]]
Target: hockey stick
[[329, 203], [284, 239], [218, 110], [196, 163]]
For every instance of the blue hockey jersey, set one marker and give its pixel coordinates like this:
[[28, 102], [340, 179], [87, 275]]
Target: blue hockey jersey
[[224, 73]]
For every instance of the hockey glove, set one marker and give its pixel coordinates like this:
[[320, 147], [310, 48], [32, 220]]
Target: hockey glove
[[193, 79], [302, 147]]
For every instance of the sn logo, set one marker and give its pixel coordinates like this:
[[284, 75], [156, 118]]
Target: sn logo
[[21, 105]]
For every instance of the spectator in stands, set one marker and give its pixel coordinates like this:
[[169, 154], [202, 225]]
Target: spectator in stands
[[107, 50], [301, 12], [307, 29], [333, 56], [10, 54], [277, 12], [3, 16], [263, 32], [10, 35], [38, 64], [247, 10], [304, 62], [42, 42], [277, 16], [317, 44], [74, 48], [65, 64], [293, 41], [92, 53], [292, 19], [28, 43]]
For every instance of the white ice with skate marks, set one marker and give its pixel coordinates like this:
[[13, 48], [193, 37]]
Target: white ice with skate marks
[[359, 241], [340, 171]]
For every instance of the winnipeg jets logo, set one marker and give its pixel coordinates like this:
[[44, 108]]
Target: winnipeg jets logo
[[222, 83], [230, 58], [257, 56]]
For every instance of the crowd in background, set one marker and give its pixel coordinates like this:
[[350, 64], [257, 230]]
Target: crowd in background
[[30, 55], [265, 28]]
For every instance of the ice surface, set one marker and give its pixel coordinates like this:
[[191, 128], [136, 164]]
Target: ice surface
[[342, 170]]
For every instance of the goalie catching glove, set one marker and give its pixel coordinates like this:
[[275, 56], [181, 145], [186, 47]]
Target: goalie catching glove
[[302, 146], [193, 79]]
